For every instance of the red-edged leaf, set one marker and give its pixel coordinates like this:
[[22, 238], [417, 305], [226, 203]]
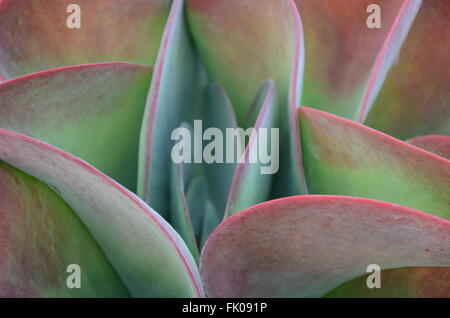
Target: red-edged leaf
[[146, 253], [437, 144], [346, 158], [250, 171], [341, 50], [244, 43], [40, 237], [172, 99], [92, 111], [241, 53], [388, 54], [414, 100], [35, 35], [307, 245]]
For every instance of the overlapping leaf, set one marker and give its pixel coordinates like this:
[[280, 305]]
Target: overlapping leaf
[[35, 35], [414, 100], [437, 144], [172, 100], [135, 239], [307, 245], [345, 59], [91, 111], [40, 237], [345, 158], [251, 170]]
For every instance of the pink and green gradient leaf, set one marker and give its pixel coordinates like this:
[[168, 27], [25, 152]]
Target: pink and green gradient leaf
[[415, 97], [92, 111], [439, 145], [305, 246], [243, 192], [35, 35], [412, 282], [346, 158], [342, 52], [240, 52], [135, 239], [171, 100], [40, 236]]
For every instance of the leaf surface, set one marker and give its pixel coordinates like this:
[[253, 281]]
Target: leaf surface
[[35, 35], [147, 254], [414, 100], [40, 236], [345, 158], [172, 98], [346, 61], [91, 111], [305, 246]]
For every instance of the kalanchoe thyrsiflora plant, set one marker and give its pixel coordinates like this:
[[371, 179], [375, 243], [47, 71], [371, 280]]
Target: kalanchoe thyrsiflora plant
[[87, 177]]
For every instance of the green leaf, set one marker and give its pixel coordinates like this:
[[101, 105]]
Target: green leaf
[[345, 158], [388, 54], [251, 184], [210, 221], [415, 97], [172, 98], [92, 111], [305, 246], [241, 53], [217, 112], [40, 237], [197, 197], [35, 35], [346, 61], [146, 253], [180, 216]]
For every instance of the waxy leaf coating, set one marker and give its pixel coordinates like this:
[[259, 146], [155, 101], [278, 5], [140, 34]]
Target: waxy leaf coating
[[91, 111], [40, 237], [134, 238], [345, 158], [415, 96], [305, 246], [171, 100]]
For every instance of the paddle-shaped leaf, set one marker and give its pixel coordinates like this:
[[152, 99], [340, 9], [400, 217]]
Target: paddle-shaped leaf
[[172, 99], [308, 245], [341, 50], [345, 158], [148, 256], [36, 36], [40, 236], [414, 100], [240, 52], [92, 111], [437, 144]]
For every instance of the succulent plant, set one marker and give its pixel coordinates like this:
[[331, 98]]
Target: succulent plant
[[87, 178]]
